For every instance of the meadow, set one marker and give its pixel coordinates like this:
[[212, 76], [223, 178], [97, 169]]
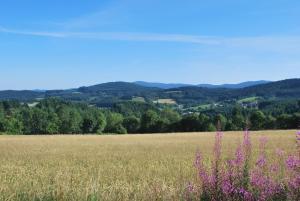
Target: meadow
[[114, 167]]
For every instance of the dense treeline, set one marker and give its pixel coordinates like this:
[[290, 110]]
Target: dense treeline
[[54, 116]]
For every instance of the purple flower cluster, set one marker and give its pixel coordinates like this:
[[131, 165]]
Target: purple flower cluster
[[293, 162], [236, 180]]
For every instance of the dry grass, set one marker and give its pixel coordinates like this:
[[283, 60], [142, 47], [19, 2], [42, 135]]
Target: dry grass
[[165, 101], [127, 167]]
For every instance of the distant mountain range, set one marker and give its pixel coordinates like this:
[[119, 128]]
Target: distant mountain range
[[161, 85], [177, 85], [106, 94]]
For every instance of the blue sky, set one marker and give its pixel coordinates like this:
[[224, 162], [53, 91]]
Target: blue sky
[[53, 44]]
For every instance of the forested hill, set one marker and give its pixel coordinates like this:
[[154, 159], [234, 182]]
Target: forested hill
[[22, 95], [109, 93], [282, 89], [117, 88]]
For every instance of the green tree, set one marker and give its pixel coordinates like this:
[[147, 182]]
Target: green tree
[[93, 121], [89, 121], [132, 124], [161, 126], [26, 115], [2, 119], [270, 122], [148, 121], [39, 121], [170, 115], [114, 123], [230, 126], [238, 119], [70, 120], [295, 120], [12, 125], [101, 122], [119, 129], [284, 121], [205, 122], [211, 127], [53, 123], [257, 120], [190, 123]]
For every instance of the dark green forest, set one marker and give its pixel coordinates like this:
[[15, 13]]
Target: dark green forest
[[56, 116]]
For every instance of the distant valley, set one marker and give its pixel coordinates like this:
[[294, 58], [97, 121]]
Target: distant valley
[[183, 98]]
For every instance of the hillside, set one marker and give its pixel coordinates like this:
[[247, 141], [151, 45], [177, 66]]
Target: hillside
[[116, 88], [106, 94], [275, 90], [20, 95], [281, 89], [109, 93]]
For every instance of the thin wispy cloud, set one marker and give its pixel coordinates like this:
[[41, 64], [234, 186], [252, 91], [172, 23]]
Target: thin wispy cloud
[[32, 33], [122, 36], [262, 42], [150, 37]]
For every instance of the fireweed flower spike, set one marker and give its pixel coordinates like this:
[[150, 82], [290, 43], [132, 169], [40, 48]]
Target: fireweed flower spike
[[261, 162], [239, 156], [237, 180], [293, 162]]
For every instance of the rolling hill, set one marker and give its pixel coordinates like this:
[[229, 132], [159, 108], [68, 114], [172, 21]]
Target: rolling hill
[[177, 85], [107, 94]]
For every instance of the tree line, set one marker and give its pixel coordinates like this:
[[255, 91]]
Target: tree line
[[55, 116]]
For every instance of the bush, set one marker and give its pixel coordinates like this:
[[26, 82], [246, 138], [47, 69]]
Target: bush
[[13, 126], [236, 180]]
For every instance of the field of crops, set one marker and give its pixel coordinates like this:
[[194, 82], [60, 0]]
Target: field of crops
[[127, 167]]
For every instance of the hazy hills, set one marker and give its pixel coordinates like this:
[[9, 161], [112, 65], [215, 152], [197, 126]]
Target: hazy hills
[[177, 85], [161, 85], [108, 93]]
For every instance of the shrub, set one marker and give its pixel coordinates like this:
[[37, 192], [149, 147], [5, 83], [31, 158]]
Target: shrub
[[236, 180]]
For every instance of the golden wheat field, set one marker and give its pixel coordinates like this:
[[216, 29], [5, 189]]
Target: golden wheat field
[[115, 167]]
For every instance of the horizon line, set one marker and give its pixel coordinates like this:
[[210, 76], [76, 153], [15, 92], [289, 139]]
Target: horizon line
[[134, 82]]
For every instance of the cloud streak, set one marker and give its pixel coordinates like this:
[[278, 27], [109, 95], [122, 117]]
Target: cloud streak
[[122, 36], [262, 42], [32, 33]]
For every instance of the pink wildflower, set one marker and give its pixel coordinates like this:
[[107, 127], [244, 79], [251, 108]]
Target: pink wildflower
[[261, 162], [293, 162], [190, 187], [239, 157]]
